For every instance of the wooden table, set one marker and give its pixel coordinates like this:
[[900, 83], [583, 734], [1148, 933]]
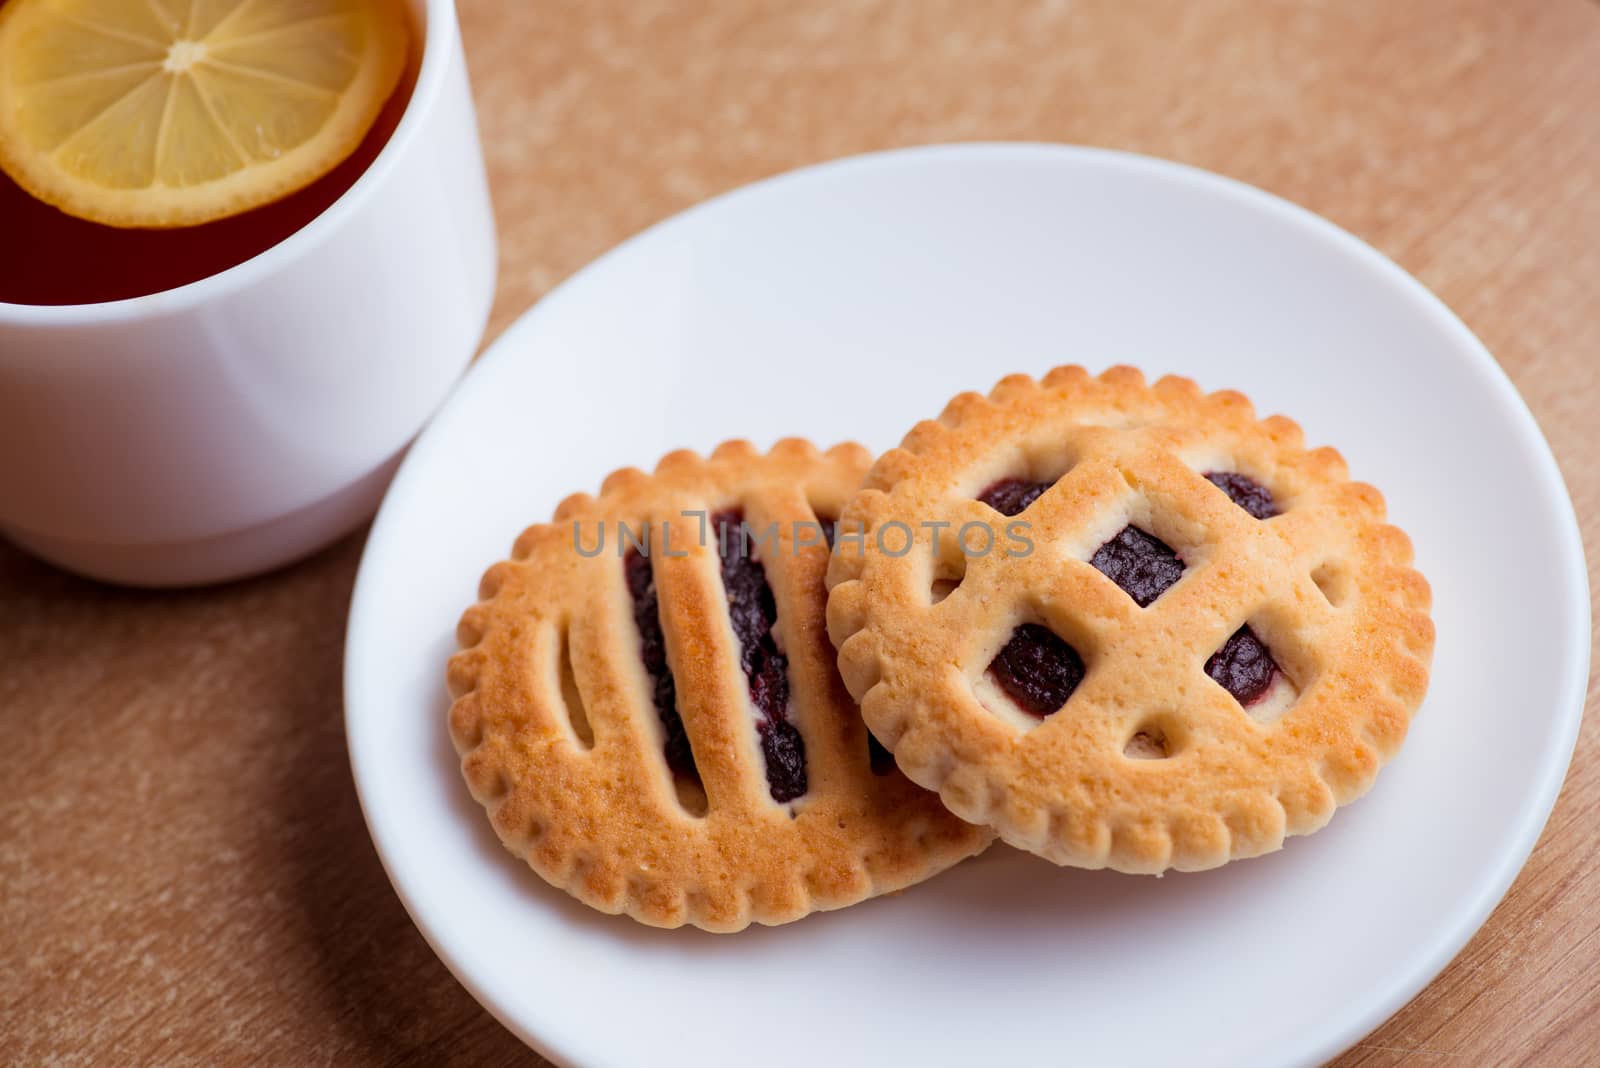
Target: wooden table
[[184, 873]]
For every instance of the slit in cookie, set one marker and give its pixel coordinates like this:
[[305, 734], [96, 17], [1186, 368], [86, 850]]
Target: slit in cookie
[[571, 697], [948, 568], [1158, 737], [679, 756], [1333, 582], [754, 613]]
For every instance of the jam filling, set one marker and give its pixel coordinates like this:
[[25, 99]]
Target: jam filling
[[1246, 492], [1243, 667], [1142, 564], [753, 612], [1037, 670], [653, 650], [1010, 496]]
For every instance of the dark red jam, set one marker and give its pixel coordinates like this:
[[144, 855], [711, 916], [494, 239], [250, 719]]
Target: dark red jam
[[1037, 670], [1246, 492], [1142, 564], [753, 612], [1010, 496], [653, 649], [1243, 667]]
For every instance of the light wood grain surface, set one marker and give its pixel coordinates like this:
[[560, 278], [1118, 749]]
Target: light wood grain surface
[[184, 874]]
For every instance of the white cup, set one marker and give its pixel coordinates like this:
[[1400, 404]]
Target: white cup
[[226, 427]]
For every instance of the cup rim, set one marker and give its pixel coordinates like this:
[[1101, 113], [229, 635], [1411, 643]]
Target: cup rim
[[439, 34]]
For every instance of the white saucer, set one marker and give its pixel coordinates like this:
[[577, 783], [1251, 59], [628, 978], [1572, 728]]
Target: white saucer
[[850, 300]]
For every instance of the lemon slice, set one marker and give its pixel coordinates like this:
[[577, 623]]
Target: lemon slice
[[160, 113]]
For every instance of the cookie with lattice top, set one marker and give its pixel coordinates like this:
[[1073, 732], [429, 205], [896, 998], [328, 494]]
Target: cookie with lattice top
[[646, 702], [1128, 625]]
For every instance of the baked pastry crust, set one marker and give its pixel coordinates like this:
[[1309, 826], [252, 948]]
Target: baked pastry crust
[[607, 821], [1326, 584]]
